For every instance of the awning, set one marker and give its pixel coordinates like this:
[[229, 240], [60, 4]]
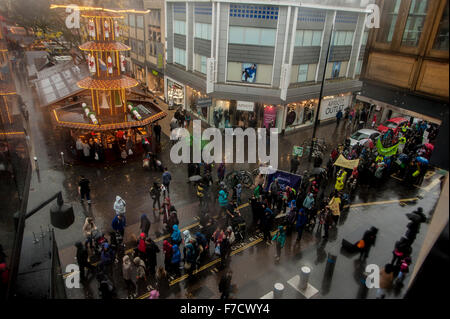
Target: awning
[[350, 164]]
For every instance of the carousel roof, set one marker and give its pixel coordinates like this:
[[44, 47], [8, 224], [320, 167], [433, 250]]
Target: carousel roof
[[72, 116], [104, 46], [105, 13], [7, 88], [3, 46], [122, 82]]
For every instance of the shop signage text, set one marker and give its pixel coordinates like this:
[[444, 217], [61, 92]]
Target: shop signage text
[[331, 107], [245, 106], [204, 102]]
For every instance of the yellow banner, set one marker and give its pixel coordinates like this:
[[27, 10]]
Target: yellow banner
[[350, 164]]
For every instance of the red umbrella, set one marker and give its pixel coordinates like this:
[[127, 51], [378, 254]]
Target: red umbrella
[[429, 146]]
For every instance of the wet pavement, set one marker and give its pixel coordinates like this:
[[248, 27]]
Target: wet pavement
[[254, 268]]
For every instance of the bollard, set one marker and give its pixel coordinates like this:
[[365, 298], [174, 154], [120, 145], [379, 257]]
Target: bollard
[[278, 290], [62, 158], [304, 277], [36, 163]]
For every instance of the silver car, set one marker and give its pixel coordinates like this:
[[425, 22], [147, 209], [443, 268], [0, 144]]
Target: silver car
[[361, 136]]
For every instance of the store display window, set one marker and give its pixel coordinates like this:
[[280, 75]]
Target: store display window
[[175, 94], [301, 113]]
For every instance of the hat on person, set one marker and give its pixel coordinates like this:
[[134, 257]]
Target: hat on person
[[142, 235]]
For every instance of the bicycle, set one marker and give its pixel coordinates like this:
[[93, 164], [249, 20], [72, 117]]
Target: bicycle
[[235, 177]]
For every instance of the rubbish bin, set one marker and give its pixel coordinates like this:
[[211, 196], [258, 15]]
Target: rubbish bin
[[278, 289], [304, 277]]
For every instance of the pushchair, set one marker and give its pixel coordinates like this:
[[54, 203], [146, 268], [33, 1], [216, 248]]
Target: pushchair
[[239, 225]]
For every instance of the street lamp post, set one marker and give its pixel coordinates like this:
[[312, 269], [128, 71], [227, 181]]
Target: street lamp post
[[321, 89]]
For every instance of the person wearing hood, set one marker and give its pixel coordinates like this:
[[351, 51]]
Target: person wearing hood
[[145, 224], [334, 205], [151, 255], [300, 224], [88, 228], [107, 258], [266, 223], [167, 250], [223, 201], [176, 235], [308, 204], [140, 275], [119, 206], [127, 269], [238, 191], [221, 172], [280, 238], [141, 246], [230, 235], [119, 223], [291, 216], [162, 282], [186, 239], [274, 188], [176, 259], [368, 239], [82, 260], [190, 256]]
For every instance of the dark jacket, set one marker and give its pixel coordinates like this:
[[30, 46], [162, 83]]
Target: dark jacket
[[151, 253], [117, 224], [145, 224]]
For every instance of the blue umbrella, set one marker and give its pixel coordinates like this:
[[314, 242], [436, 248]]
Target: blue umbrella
[[422, 160]]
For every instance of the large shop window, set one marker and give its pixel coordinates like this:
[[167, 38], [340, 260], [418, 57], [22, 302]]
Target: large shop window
[[415, 22], [301, 113], [388, 20], [203, 31], [307, 38], [442, 39], [179, 27], [252, 36], [343, 38], [200, 63], [175, 94], [180, 56]]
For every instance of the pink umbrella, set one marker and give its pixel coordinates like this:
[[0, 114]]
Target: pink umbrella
[[429, 146]]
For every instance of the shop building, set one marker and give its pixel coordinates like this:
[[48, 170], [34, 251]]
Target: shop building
[[253, 64], [406, 66]]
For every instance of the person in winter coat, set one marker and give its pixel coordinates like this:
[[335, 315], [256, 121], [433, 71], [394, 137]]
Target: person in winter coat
[[274, 188], [176, 235], [221, 172], [369, 238], [301, 223], [238, 192], [308, 204], [202, 241], [88, 228], [266, 223], [176, 259], [151, 256], [291, 216], [141, 246], [145, 224], [280, 238], [82, 260], [140, 276], [155, 194], [334, 206], [107, 257], [127, 270], [225, 249], [119, 223], [230, 235], [120, 206], [168, 251], [295, 163], [162, 282], [186, 239], [223, 201], [404, 269], [386, 280], [166, 178], [402, 250], [225, 285], [190, 256]]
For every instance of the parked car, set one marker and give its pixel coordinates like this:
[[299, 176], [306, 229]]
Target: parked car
[[395, 124], [362, 135]]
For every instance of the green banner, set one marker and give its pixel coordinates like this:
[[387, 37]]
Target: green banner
[[386, 151]]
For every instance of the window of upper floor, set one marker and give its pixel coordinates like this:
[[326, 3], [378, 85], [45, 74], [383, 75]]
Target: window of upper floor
[[179, 27], [252, 36], [140, 21], [343, 38], [307, 38], [179, 56], [442, 38], [202, 31]]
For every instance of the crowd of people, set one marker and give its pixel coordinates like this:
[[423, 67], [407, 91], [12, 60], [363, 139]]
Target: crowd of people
[[317, 201]]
